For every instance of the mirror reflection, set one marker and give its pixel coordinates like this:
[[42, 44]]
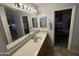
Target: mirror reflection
[[34, 22], [17, 23], [25, 24], [43, 22]]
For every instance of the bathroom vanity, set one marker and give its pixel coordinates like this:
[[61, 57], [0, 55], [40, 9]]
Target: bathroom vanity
[[31, 47]]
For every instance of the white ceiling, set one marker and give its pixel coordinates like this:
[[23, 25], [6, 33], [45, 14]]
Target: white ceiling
[[40, 4]]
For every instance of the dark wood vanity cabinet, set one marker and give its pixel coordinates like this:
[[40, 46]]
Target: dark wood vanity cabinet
[[44, 48]]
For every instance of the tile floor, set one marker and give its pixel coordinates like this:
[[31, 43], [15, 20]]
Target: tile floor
[[58, 51]]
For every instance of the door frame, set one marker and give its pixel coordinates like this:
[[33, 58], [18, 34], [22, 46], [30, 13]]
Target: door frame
[[71, 24]]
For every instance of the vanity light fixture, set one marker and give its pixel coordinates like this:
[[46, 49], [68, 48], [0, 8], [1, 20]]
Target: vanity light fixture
[[27, 8]]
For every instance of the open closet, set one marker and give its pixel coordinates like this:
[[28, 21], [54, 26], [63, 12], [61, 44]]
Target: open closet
[[62, 27]]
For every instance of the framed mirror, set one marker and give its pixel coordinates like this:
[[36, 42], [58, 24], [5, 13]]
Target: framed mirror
[[17, 23], [34, 22], [43, 22], [16, 27]]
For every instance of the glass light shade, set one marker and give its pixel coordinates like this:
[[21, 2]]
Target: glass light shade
[[25, 7], [28, 8], [20, 4]]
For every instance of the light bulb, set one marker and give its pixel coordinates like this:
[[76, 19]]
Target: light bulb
[[31, 10], [20, 4], [28, 8], [34, 11], [25, 7]]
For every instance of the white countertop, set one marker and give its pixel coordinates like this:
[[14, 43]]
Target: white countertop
[[31, 48], [9, 46]]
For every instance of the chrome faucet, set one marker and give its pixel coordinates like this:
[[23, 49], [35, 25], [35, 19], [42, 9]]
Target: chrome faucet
[[34, 37]]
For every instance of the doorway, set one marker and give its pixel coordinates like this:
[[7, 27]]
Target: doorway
[[62, 27]]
